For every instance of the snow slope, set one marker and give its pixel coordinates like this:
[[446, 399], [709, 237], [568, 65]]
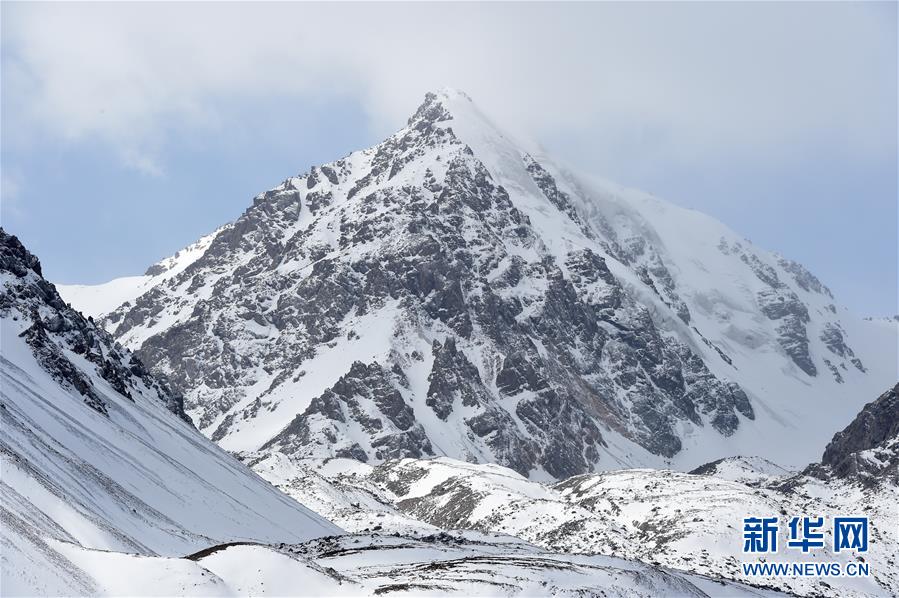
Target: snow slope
[[690, 522], [99, 299], [97, 454], [459, 564], [686, 522]]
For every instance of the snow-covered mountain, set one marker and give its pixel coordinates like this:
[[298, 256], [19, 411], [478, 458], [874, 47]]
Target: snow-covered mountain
[[448, 293], [97, 455]]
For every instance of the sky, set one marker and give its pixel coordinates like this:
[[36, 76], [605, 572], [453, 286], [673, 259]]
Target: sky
[[129, 130]]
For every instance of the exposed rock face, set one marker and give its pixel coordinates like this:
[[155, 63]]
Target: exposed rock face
[[805, 279], [444, 293], [780, 303], [833, 338], [368, 397], [56, 329], [792, 317], [868, 448]]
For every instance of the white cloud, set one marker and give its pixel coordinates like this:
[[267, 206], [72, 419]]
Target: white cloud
[[689, 81], [143, 162]]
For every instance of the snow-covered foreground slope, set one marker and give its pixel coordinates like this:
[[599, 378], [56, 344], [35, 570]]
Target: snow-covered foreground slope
[[690, 522], [447, 292], [97, 454], [687, 522], [459, 564]]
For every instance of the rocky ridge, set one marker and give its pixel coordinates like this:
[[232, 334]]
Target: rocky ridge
[[867, 450], [56, 331]]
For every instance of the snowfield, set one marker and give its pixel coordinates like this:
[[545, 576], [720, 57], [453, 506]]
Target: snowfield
[[463, 564], [686, 522]]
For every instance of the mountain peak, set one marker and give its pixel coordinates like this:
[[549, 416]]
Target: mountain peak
[[445, 292], [439, 106], [452, 94]]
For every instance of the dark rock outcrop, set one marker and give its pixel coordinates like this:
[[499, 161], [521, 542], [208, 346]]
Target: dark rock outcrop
[[364, 390], [867, 450], [56, 328]]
